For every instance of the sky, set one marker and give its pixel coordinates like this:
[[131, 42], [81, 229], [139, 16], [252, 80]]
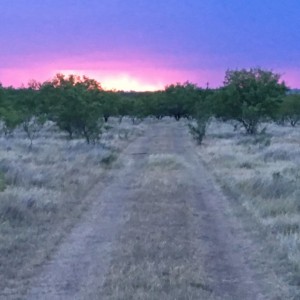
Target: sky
[[146, 45]]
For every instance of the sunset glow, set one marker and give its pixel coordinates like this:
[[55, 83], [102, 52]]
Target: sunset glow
[[138, 80], [121, 81], [128, 83]]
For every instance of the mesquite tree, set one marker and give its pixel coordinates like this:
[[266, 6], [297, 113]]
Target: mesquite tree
[[249, 97]]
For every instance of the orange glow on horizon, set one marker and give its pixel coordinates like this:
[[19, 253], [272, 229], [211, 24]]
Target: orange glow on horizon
[[119, 81], [138, 73], [136, 77], [128, 83]]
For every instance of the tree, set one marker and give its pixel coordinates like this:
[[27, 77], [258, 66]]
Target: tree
[[290, 109], [133, 105], [21, 107], [8, 115], [109, 104], [136, 109], [74, 104], [180, 99], [249, 96], [11, 119], [156, 105], [28, 110]]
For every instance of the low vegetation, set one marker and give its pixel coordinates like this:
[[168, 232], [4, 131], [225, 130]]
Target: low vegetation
[[262, 173], [156, 254], [44, 191]]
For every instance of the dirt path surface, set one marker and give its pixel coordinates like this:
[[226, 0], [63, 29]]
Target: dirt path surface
[[160, 230]]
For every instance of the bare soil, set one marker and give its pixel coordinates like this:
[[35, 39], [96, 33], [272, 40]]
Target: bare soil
[[162, 229]]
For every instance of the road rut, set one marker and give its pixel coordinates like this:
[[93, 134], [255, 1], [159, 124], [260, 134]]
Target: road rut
[[161, 229]]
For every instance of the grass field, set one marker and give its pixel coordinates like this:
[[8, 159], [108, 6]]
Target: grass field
[[263, 174], [44, 189]]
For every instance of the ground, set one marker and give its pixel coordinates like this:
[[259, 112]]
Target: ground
[[161, 228]]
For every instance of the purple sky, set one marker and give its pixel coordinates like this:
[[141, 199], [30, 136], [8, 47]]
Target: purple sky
[[138, 44]]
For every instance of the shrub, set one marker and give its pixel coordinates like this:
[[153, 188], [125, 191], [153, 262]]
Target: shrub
[[198, 130]]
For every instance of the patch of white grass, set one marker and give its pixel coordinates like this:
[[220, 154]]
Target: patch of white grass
[[263, 172], [45, 189]]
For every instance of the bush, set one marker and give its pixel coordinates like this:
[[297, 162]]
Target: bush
[[198, 130]]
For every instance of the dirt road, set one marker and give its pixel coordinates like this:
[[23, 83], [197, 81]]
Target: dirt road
[[160, 230]]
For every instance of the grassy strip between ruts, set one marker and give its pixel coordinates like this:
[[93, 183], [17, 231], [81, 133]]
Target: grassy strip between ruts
[[158, 256]]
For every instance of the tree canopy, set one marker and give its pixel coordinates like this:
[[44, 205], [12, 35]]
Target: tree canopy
[[79, 105], [249, 96]]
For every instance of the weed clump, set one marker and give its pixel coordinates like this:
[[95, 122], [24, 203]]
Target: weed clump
[[108, 160]]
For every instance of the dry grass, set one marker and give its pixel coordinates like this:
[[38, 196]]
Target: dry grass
[[263, 173], [43, 192], [158, 256]]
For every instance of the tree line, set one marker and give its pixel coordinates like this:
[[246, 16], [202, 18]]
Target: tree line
[[79, 106]]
